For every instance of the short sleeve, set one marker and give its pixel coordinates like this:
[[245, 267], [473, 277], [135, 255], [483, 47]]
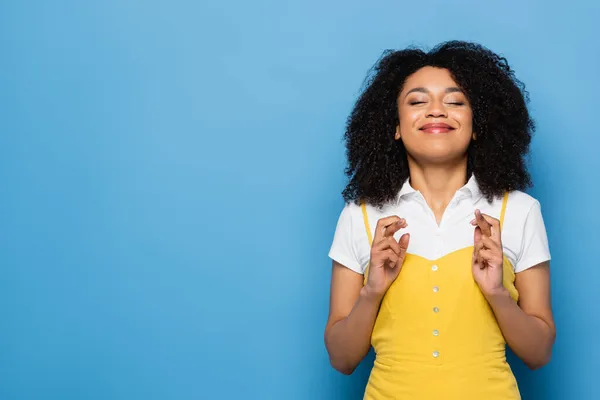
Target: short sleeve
[[343, 249], [534, 245]]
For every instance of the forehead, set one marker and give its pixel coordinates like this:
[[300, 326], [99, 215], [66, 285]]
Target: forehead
[[431, 78]]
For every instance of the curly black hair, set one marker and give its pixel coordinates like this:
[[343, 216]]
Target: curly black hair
[[377, 164]]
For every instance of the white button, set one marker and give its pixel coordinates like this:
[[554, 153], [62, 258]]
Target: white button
[[436, 354], [435, 309], [436, 332], [436, 289], [434, 268]]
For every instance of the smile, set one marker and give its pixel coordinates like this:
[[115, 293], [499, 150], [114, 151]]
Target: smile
[[436, 128]]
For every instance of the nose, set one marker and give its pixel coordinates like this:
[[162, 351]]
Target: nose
[[437, 110]]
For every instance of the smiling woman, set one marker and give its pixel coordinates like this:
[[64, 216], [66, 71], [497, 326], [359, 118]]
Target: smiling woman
[[447, 111], [439, 258]]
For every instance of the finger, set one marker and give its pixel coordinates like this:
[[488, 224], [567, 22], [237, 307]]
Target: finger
[[386, 243], [403, 245], [383, 224], [494, 223], [477, 259], [490, 243], [395, 246], [476, 253], [391, 229], [477, 235], [491, 257], [482, 223], [479, 246], [391, 257]]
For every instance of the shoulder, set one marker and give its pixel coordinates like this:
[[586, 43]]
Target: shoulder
[[350, 246], [519, 206], [524, 231], [363, 216], [521, 201], [351, 214]]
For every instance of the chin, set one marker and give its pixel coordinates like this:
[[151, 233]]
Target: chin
[[440, 156]]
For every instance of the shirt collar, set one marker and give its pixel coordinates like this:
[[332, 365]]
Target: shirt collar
[[406, 189], [470, 189]]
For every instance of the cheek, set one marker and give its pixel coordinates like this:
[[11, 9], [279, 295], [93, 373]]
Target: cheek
[[409, 117], [465, 118]]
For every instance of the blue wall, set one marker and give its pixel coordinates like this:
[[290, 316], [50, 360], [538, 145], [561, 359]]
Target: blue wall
[[170, 177]]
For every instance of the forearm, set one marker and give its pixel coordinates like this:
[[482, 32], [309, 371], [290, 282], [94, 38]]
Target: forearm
[[529, 337], [348, 340]]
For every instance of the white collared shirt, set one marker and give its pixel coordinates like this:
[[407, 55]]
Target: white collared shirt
[[524, 238]]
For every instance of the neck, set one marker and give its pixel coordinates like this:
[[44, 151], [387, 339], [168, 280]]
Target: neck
[[438, 183]]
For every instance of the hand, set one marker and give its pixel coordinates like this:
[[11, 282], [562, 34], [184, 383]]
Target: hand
[[488, 256], [387, 255]]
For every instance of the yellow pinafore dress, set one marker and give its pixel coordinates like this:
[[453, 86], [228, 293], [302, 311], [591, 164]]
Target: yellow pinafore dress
[[436, 336]]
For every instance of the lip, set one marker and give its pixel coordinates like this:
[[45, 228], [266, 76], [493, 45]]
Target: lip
[[436, 128]]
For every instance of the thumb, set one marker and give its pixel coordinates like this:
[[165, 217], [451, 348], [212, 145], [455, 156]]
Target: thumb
[[403, 242]]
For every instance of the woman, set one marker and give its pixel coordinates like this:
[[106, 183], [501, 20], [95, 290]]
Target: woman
[[439, 258]]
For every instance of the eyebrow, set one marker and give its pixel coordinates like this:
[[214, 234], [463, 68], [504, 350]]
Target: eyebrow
[[453, 89]]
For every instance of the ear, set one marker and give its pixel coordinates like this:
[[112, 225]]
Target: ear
[[474, 136], [397, 136]]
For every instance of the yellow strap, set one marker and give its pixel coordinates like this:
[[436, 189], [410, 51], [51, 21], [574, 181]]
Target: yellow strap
[[366, 219], [504, 201], [369, 236]]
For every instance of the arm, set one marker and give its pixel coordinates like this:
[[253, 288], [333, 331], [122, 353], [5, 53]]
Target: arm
[[353, 307], [352, 314], [529, 326]]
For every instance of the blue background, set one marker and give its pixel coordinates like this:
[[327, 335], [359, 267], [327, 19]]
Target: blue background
[[170, 178]]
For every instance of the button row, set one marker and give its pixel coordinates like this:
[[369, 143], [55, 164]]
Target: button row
[[435, 332]]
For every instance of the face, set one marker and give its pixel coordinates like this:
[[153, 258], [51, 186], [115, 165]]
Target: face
[[436, 120]]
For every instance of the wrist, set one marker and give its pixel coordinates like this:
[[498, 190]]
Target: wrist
[[367, 294], [497, 296]]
